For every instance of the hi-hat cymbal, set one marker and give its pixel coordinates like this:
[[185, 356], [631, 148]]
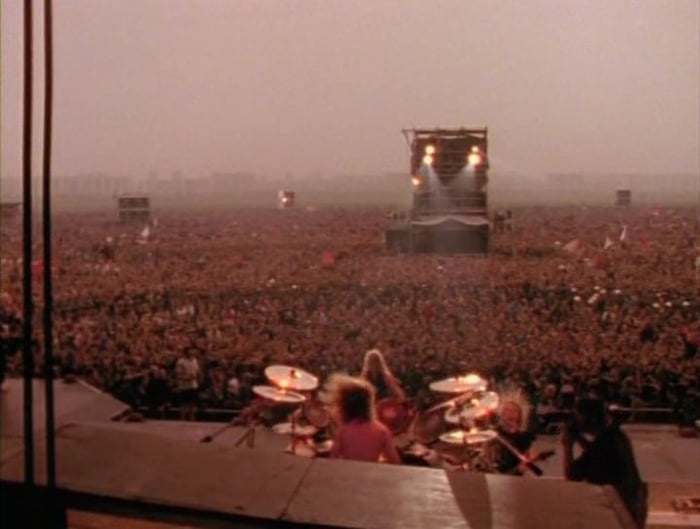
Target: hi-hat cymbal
[[460, 384], [287, 377], [460, 437], [473, 408], [279, 395]]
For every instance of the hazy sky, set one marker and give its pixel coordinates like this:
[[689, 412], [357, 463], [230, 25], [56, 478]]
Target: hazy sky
[[271, 86]]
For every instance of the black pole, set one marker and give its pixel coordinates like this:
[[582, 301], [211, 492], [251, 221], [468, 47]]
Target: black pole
[[48, 284], [27, 352]]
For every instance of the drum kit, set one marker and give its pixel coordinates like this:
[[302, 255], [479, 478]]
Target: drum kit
[[294, 386], [456, 431]]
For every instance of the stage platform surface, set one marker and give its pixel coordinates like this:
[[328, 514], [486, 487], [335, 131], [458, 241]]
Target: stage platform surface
[[164, 465]]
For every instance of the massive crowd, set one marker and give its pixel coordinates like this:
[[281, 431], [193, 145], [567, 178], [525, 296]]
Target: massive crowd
[[570, 301]]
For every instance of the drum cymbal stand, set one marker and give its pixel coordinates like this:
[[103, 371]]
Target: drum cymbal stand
[[248, 436]]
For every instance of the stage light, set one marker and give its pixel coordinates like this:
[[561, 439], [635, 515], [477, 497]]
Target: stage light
[[415, 180], [430, 149], [427, 160], [474, 156]]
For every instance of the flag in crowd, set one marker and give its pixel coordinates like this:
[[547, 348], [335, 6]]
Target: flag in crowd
[[623, 234], [572, 246]]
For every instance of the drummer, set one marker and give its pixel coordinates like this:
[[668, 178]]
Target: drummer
[[360, 437], [376, 372], [512, 427]]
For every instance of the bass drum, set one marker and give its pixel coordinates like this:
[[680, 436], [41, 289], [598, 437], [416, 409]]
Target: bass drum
[[395, 414]]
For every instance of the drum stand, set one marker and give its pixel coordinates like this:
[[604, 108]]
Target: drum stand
[[248, 436], [292, 448], [297, 441], [473, 458]]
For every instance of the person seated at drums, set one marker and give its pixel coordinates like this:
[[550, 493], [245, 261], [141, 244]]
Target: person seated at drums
[[376, 372], [511, 426], [360, 437]]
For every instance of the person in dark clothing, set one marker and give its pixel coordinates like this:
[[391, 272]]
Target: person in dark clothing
[[512, 429], [607, 456], [690, 343], [648, 334], [10, 344], [157, 391]]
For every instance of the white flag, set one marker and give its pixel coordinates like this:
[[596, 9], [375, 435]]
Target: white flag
[[572, 246], [623, 234], [146, 232], [608, 243]]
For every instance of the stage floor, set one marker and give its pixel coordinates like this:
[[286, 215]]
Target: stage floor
[[165, 463]]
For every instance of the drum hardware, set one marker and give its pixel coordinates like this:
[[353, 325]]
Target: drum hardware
[[279, 395], [248, 436], [428, 425], [472, 442], [316, 413], [460, 384], [209, 438], [528, 462], [286, 381], [323, 448], [468, 438], [473, 409], [275, 395], [291, 378], [468, 412], [395, 414], [296, 430]]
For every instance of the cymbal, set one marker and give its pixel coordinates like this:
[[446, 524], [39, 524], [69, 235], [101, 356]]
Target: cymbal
[[279, 395], [460, 384], [473, 408], [460, 437], [288, 377], [285, 428]]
